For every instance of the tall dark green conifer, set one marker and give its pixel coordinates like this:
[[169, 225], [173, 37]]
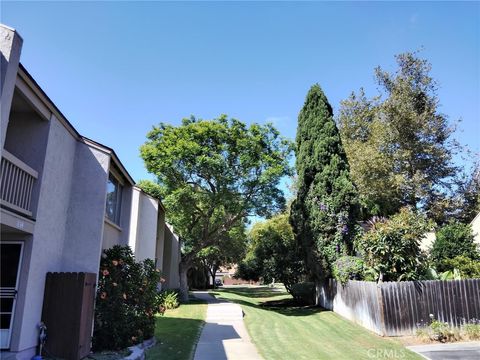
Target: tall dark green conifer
[[323, 214]]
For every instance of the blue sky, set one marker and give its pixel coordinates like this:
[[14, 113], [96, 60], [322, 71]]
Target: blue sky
[[117, 68]]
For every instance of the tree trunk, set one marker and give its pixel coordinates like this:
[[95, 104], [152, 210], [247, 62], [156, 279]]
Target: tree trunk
[[183, 270], [214, 273]]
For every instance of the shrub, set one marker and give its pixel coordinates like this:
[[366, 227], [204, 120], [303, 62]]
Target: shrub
[[304, 292], [126, 300], [472, 330], [348, 268], [452, 240], [168, 299], [440, 331], [468, 268], [392, 249]]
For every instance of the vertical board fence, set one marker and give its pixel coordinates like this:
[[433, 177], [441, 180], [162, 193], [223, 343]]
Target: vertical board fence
[[68, 306], [400, 308]]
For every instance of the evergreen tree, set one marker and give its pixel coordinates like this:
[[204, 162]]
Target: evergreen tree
[[399, 145], [323, 214]]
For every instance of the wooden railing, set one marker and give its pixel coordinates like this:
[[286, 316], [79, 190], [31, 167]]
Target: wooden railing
[[17, 181]]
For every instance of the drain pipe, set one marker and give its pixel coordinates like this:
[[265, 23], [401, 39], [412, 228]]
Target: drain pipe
[[42, 338]]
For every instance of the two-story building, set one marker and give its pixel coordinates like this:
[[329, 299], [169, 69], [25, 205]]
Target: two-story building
[[64, 198]]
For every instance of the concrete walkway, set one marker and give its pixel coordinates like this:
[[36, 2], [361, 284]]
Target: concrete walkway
[[452, 351], [224, 335]]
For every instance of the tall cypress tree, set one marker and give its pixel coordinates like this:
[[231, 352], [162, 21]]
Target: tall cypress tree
[[323, 214]]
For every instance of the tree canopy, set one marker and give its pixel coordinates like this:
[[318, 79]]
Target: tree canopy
[[399, 145], [454, 239], [323, 213], [212, 175], [273, 253]]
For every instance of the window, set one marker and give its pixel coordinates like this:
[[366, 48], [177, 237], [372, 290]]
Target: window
[[114, 199]]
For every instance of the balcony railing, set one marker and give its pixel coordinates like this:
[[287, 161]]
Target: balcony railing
[[17, 180]]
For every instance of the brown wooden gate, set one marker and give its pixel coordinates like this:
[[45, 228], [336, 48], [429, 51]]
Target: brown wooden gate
[[68, 307]]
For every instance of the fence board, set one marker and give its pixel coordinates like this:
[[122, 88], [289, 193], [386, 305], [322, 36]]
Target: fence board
[[68, 313], [405, 305]]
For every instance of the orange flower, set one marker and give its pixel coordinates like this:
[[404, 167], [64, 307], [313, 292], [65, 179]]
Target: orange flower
[[103, 295], [114, 262], [105, 272]]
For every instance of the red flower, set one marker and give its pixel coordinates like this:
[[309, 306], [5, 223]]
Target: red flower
[[105, 272], [103, 295]]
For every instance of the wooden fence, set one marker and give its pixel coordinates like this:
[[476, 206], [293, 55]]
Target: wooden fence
[[400, 308]]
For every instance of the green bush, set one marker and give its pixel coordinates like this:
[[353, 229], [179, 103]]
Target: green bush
[[168, 299], [468, 268], [472, 330], [304, 292], [348, 268], [126, 300], [452, 240], [391, 249]]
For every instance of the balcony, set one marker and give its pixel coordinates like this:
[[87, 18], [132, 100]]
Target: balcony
[[17, 181]]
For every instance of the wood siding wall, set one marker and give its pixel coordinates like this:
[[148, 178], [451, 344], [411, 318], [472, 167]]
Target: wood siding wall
[[400, 308]]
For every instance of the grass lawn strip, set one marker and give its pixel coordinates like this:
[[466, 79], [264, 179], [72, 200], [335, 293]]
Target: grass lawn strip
[[178, 331], [307, 332]]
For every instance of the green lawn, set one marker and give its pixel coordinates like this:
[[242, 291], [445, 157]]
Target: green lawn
[[307, 332], [178, 331]]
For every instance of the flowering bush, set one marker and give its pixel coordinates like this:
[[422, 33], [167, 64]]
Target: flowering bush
[[126, 300], [348, 268]]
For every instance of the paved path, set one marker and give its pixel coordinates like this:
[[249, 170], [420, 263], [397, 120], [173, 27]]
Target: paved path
[[453, 351], [224, 335]]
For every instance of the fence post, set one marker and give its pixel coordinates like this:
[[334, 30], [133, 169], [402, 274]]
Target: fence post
[[381, 307]]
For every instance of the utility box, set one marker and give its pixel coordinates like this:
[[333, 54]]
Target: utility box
[[68, 308]]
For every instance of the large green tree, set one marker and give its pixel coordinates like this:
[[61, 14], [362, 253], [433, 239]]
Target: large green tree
[[230, 250], [323, 213], [399, 145], [454, 239], [273, 253], [212, 175]]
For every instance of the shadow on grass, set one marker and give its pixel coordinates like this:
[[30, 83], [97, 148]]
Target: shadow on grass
[[287, 307], [256, 292]]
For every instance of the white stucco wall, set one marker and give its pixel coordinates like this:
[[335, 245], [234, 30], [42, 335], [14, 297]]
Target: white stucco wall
[[160, 238], [171, 258], [83, 242], [143, 225], [10, 49], [47, 246], [476, 228]]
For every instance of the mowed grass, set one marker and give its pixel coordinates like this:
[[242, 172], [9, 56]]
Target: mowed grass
[[178, 331], [310, 333]]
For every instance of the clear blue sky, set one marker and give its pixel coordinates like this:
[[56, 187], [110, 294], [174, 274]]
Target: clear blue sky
[[117, 68]]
